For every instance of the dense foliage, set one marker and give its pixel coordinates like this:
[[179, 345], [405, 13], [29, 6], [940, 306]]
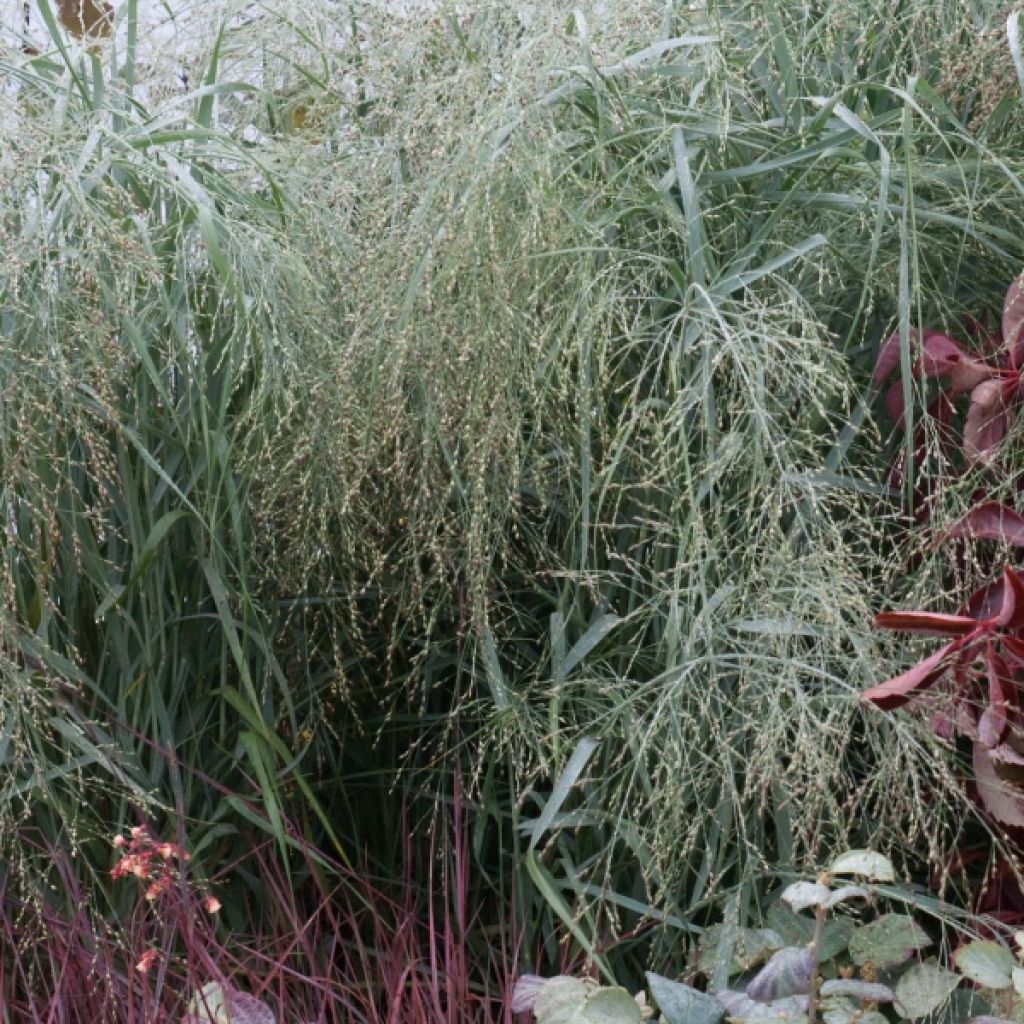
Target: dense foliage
[[438, 469]]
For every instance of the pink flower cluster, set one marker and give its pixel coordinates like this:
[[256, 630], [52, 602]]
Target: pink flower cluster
[[148, 860], [152, 863]]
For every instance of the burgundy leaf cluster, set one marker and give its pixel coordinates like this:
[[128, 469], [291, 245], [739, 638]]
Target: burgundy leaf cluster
[[991, 378], [980, 667]]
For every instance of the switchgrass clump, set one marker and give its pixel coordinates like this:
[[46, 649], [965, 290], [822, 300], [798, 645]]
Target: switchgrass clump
[[595, 456], [456, 389]]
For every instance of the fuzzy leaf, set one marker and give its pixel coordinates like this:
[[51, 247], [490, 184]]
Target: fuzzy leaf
[[681, 1004], [798, 930], [610, 1006], [787, 973], [525, 991], [888, 941], [836, 1010], [739, 1006], [986, 963], [750, 948], [923, 989], [865, 991], [801, 895], [561, 998]]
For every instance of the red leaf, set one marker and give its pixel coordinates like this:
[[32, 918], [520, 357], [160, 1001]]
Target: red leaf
[[992, 723], [1014, 649], [896, 692], [990, 520], [985, 602], [927, 623], [893, 401], [1011, 613], [1013, 319], [1005, 754], [943, 357], [985, 425], [888, 358], [999, 787]]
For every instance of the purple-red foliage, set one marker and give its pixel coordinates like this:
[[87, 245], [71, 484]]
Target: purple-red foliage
[[980, 670], [990, 376]]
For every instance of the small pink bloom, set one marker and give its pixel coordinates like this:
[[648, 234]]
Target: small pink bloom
[[161, 885], [119, 842], [211, 904], [167, 850], [146, 961], [137, 832]]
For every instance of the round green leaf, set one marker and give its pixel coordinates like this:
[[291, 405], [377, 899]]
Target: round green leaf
[[560, 999], [610, 1006], [840, 1010], [986, 962], [888, 941], [923, 989], [681, 1004], [751, 947], [854, 988]]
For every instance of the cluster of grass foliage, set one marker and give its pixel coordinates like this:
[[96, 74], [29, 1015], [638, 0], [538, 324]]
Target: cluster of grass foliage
[[460, 387]]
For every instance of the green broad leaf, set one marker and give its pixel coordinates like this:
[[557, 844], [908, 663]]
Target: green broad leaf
[[835, 938], [789, 972], [740, 1007], [840, 1010], [864, 991], [864, 864], [561, 998], [610, 1006], [887, 942], [681, 1004], [987, 963], [751, 948], [923, 989], [798, 930]]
